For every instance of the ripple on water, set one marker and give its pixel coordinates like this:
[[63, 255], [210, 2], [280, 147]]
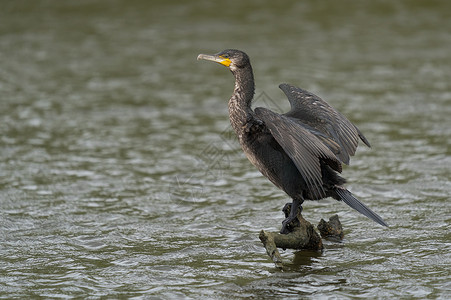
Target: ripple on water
[[120, 176]]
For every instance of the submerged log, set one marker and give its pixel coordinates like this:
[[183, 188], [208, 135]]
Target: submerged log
[[331, 230], [303, 237]]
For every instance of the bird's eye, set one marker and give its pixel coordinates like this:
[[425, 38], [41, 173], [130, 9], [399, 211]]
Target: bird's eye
[[225, 56]]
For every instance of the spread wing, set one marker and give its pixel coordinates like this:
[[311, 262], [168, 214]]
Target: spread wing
[[303, 147], [334, 129]]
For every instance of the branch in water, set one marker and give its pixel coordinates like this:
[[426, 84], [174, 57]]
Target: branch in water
[[331, 230], [303, 237]]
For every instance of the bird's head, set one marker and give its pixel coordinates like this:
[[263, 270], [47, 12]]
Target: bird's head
[[231, 58]]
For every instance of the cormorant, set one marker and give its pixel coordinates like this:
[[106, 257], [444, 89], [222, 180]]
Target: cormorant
[[300, 151]]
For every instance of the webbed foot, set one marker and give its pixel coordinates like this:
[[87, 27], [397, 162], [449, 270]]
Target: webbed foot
[[289, 224], [291, 219]]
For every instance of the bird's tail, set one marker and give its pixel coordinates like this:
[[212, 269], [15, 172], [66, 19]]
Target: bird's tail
[[353, 202]]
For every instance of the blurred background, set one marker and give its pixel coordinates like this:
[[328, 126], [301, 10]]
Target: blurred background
[[120, 177]]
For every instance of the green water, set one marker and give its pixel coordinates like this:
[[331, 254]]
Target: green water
[[119, 176]]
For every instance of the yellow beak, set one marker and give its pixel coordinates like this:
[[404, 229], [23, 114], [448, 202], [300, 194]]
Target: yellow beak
[[219, 59]]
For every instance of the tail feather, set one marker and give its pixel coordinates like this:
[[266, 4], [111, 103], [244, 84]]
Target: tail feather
[[353, 202]]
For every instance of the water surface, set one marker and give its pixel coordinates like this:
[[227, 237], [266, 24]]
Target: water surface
[[119, 175]]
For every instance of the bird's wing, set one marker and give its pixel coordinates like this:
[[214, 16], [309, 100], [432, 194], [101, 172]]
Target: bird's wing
[[334, 128], [302, 146]]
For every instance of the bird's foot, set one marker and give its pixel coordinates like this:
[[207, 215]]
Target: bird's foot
[[291, 220], [289, 224]]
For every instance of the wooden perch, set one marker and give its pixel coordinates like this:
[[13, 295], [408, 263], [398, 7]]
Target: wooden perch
[[331, 230], [303, 237]]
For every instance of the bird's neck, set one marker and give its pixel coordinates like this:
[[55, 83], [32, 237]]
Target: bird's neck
[[240, 111]]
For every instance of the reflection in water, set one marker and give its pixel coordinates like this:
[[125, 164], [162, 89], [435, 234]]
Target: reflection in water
[[113, 172], [304, 259]]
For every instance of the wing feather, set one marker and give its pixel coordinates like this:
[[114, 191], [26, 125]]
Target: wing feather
[[311, 110], [302, 146]]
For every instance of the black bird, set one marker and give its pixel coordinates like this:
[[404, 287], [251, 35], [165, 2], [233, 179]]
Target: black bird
[[300, 151]]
